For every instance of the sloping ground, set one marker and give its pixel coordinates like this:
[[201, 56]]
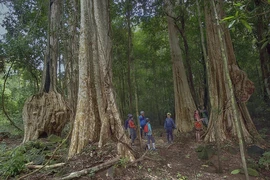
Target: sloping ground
[[179, 160]]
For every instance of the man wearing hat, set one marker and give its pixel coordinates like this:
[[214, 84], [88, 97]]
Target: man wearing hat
[[169, 126]]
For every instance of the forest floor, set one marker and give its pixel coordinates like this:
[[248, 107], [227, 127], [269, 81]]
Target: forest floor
[[180, 160]]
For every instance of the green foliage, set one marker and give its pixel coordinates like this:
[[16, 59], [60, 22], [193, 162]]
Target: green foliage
[[263, 132], [12, 162], [239, 16], [179, 176], [253, 172], [264, 161], [123, 162], [236, 171]]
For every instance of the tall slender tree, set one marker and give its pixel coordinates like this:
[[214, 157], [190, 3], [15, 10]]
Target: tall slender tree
[[97, 116], [184, 103]]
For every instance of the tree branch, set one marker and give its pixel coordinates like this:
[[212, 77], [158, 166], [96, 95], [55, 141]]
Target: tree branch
[[80, 173], [3, 100]]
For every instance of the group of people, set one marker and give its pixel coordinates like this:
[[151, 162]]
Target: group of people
[[200, 117], [146, 129]]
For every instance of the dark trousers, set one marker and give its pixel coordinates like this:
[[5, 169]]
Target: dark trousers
[[169, 134], [150, 137], [133, 134]]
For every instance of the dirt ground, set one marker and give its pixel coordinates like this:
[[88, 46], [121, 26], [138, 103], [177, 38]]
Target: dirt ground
[[178, 161]]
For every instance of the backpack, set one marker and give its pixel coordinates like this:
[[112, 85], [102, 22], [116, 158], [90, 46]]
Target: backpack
[[198, 125], [145, 129]]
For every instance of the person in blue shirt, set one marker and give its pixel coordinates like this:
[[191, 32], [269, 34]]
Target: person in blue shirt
[[149, 135], [169, 126], [142, 122]]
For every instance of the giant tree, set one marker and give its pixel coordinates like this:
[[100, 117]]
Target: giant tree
[[184, 102], [97, 117], [46, 113], [222, 110], [262, 29], [71, 48]]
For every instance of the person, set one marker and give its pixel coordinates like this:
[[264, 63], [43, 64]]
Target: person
[[142, 122], [148, 131], [127, 125], [198, 125], [132, 129], [204, 114], [169, 126]]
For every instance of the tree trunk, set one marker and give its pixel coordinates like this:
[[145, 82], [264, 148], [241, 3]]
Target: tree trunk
[[97, 116], [46, 113], [129, 53], [262, 28], [220, 98], [71, 65], [231, 91], [184, 103], [188, 61]]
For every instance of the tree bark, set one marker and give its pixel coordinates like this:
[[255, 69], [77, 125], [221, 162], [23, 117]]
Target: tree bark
[[261, 26], [184, 103], [231, 92], [71, 65], [220, 98], [97, 116], [47, 112], [129, 53]]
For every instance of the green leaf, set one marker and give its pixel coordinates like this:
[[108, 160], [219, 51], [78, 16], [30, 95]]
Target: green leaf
[[237, 4], [264, 44], [236, 13], [231, 24], [245, 23], [229, 17], [236, 171]]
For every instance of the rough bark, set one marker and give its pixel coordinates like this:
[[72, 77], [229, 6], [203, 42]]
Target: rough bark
[[231, 91], [262, 28], [47, 112], [182, 31], [44, 114], [220, 98], [184, 103], [71, 64], [97, 116]]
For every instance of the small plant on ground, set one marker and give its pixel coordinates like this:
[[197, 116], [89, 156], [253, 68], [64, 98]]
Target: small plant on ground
[[181, 177], [264, 161], [122, 162], [12, 162]]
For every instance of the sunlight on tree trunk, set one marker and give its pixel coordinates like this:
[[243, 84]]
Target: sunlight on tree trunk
[[184, 103], [97, 117]]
